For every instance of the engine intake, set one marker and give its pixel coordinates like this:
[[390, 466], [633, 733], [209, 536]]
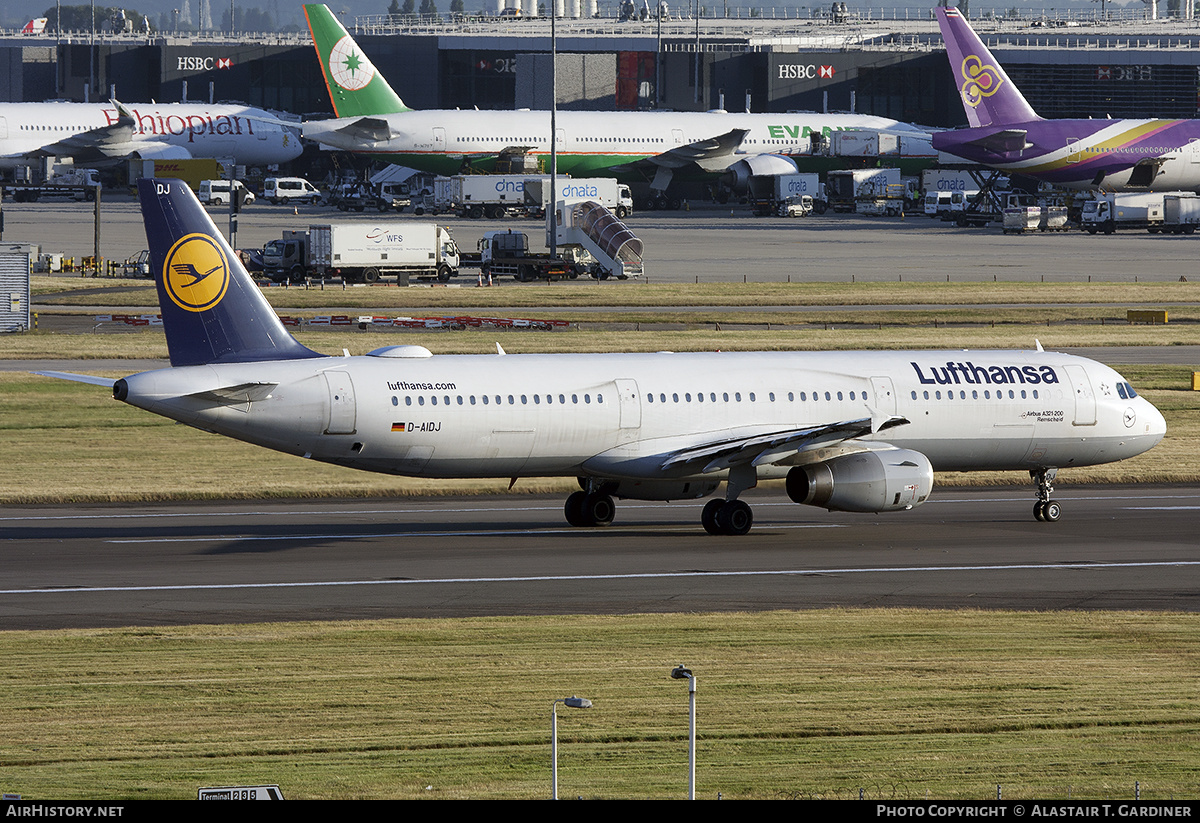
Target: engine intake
[[877, 481]]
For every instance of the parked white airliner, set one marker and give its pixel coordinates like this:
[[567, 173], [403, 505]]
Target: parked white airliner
[[850, 431], [93, 133], [652, 146]]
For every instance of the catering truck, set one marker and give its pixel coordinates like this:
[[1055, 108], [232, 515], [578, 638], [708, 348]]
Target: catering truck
[[363, 252]]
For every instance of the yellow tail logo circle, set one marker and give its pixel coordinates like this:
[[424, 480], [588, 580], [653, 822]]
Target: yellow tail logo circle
[[196, 274]]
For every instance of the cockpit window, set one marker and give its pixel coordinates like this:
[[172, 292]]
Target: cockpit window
[[1129, 390], [1121, 391]]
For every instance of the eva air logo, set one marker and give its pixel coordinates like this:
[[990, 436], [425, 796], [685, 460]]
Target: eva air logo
[[196, 274], [348, 66]]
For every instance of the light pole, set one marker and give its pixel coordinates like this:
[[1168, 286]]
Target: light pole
[[571, 702], [553, 218], [682, 673]]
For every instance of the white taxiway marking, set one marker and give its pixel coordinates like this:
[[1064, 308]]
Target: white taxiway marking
[[585, 577]]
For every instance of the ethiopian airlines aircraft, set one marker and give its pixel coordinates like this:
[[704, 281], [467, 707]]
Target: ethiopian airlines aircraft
[[1006, 133], [850, 431], [94, 133], [652, 146]]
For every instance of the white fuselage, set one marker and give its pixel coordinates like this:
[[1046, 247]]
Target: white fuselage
[[249, 135], [607, 137], [621, 415]]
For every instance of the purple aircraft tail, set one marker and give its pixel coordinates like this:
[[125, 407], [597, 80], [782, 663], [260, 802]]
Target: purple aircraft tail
[[989, 97]]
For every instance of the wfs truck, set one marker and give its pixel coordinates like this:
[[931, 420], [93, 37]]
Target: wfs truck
[[363, 253]]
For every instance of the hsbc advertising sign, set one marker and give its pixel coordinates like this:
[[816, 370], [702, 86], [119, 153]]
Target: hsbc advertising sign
[[805, 71], [193, 64]]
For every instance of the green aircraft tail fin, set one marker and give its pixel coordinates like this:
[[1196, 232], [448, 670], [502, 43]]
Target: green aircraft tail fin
[[355, 87]]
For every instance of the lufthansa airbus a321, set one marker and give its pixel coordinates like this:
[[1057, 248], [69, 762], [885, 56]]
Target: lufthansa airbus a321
[[849, 431]]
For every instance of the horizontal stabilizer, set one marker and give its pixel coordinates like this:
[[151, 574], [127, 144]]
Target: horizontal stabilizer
[[232, 395], [77, 378], [374, 129], [1003, 142]]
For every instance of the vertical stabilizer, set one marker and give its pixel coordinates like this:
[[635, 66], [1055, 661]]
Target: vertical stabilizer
[[355, 87], [988, 96], [212, 311]]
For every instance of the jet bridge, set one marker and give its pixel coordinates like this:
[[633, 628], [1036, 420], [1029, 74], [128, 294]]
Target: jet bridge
[[589, 225]]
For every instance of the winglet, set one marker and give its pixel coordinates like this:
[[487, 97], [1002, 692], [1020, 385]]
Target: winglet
[[989, 98], [212, 311], [355, 87]]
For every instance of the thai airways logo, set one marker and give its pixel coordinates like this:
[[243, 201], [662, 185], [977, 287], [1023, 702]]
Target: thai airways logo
[[980, 80], [348, 66], [196, 273]]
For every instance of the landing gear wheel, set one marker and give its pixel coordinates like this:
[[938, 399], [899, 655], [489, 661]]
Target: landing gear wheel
[[584, 510], [708, 516], [735, 518], [574, 509], [1049, 512], [599, 509]]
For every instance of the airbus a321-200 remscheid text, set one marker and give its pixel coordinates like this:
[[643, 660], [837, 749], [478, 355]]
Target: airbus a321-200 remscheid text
[[850, 431]]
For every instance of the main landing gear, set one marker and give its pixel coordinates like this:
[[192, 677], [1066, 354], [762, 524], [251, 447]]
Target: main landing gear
[[726, 517], [1045, 510], [590, 508]]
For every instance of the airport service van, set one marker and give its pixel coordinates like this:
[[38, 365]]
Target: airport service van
[[287, 189], [216, 192], [363, 252]]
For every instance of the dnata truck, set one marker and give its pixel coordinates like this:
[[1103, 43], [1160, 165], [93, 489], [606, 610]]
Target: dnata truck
[[775, 194], [486, 195], [846, 188], [363, 252], [614, 196]]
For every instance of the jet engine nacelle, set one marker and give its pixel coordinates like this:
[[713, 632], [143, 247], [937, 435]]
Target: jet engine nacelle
[[737, 177], [877, 481], [161, 151]]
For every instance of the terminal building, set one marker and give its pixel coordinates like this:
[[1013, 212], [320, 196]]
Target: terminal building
[[1133, 67]]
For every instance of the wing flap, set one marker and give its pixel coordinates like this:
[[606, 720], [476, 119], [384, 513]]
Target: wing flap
[[773, 447], [712, 153]]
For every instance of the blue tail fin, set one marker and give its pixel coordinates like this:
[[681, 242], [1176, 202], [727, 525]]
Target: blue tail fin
[[212, 311]]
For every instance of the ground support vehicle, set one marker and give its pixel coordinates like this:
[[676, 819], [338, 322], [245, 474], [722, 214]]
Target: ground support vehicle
[[844, 188], [768, 193], [1108, 211], [603, 246], [78, 184], [363, 253], [505, 253], [1181, 213]]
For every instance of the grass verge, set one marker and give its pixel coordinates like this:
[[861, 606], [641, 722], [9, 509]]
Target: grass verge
[[904, 704]]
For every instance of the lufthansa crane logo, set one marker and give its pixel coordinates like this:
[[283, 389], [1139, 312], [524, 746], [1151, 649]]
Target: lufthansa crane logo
[[348, 66], [196, 274], [980, 80]]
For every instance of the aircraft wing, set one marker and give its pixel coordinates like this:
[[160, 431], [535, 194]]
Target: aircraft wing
[[77, 378], [101, 143], [710, 154], [774, 447]]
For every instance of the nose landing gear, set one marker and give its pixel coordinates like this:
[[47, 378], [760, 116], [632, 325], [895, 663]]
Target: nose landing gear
[[1045, 510]]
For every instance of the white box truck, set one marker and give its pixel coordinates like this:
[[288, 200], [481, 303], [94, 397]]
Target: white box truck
[[1107, 212], [363, 252]]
